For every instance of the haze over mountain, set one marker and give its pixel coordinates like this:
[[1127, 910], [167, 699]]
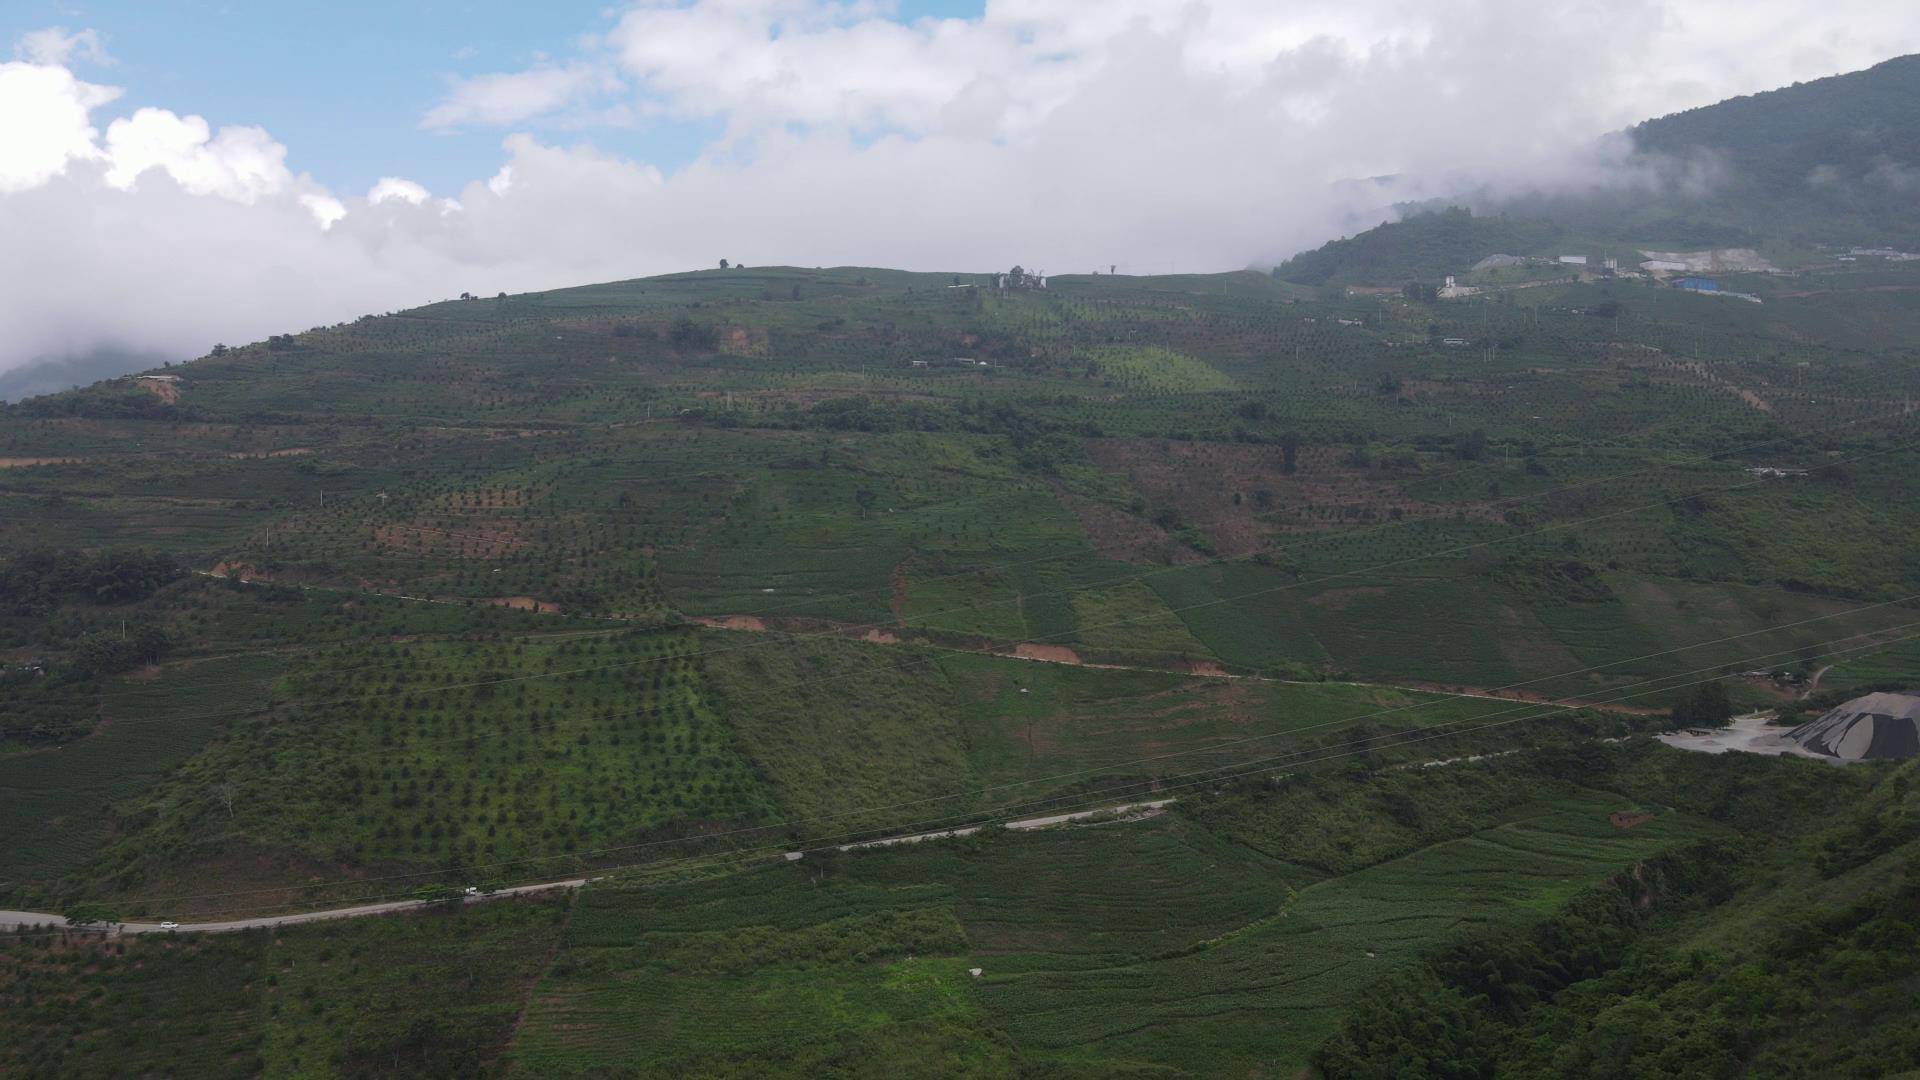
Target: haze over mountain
[[1833, 161], [1830, 163]]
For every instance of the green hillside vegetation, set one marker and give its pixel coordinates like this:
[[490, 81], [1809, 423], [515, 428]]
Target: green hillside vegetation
[[682, 583], [1801, 170], [465, 542], [1423, 247], [1499, 928], [1831, 160], [1795, 961]]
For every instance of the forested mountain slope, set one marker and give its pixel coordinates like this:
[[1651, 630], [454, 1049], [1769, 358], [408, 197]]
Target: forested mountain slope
[[1834, 162]]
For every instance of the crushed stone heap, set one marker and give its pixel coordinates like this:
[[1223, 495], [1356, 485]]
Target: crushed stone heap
[[1870, 728]]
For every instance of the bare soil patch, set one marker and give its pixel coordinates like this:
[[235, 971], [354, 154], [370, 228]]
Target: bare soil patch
[[470, 539], [1053, 654], [1125, 537], [525, 603], [1240, 496], [897, 582], [166, 391], [28, 462], [730, 622]]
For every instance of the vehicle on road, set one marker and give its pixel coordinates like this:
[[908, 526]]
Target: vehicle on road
[[169, 925]]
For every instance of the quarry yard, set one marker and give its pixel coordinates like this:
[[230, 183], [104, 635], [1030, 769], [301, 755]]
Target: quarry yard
[[1754, 733]]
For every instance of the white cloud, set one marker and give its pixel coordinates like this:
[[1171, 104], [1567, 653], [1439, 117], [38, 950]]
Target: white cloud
[[55, 46], [240, 163], [510, 98], [1055, 133], [44, 123], [400, 188], [764, 63], [325, 209]]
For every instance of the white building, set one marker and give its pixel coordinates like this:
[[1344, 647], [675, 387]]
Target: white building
[[1573, 260]]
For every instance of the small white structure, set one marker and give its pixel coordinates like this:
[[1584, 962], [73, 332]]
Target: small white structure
[[1712, 261], [1888, 254], [1573, 260], [1452, 291]]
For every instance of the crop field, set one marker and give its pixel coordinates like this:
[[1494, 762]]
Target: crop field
[[1522, 624], [1103, 948], [1130, 620], [433, 992], [51, 800], [448, 754], [852, 736], [1186, 942], [850, 975], [1156, 369], [1319, 948]]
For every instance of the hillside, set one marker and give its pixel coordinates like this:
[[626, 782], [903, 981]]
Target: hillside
[[1421, 247], [1830, 163], [664, 579], [1835, 160]]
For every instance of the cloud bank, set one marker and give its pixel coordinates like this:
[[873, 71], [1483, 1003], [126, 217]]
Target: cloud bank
[[1189, 136]]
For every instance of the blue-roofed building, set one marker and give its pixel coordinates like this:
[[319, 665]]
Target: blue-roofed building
[[1696, 284]]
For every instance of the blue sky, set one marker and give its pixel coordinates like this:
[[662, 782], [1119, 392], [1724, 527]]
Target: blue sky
[[344, 85]]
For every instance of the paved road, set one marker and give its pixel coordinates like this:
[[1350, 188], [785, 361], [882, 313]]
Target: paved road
[[1123, 809], [11, 919]]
